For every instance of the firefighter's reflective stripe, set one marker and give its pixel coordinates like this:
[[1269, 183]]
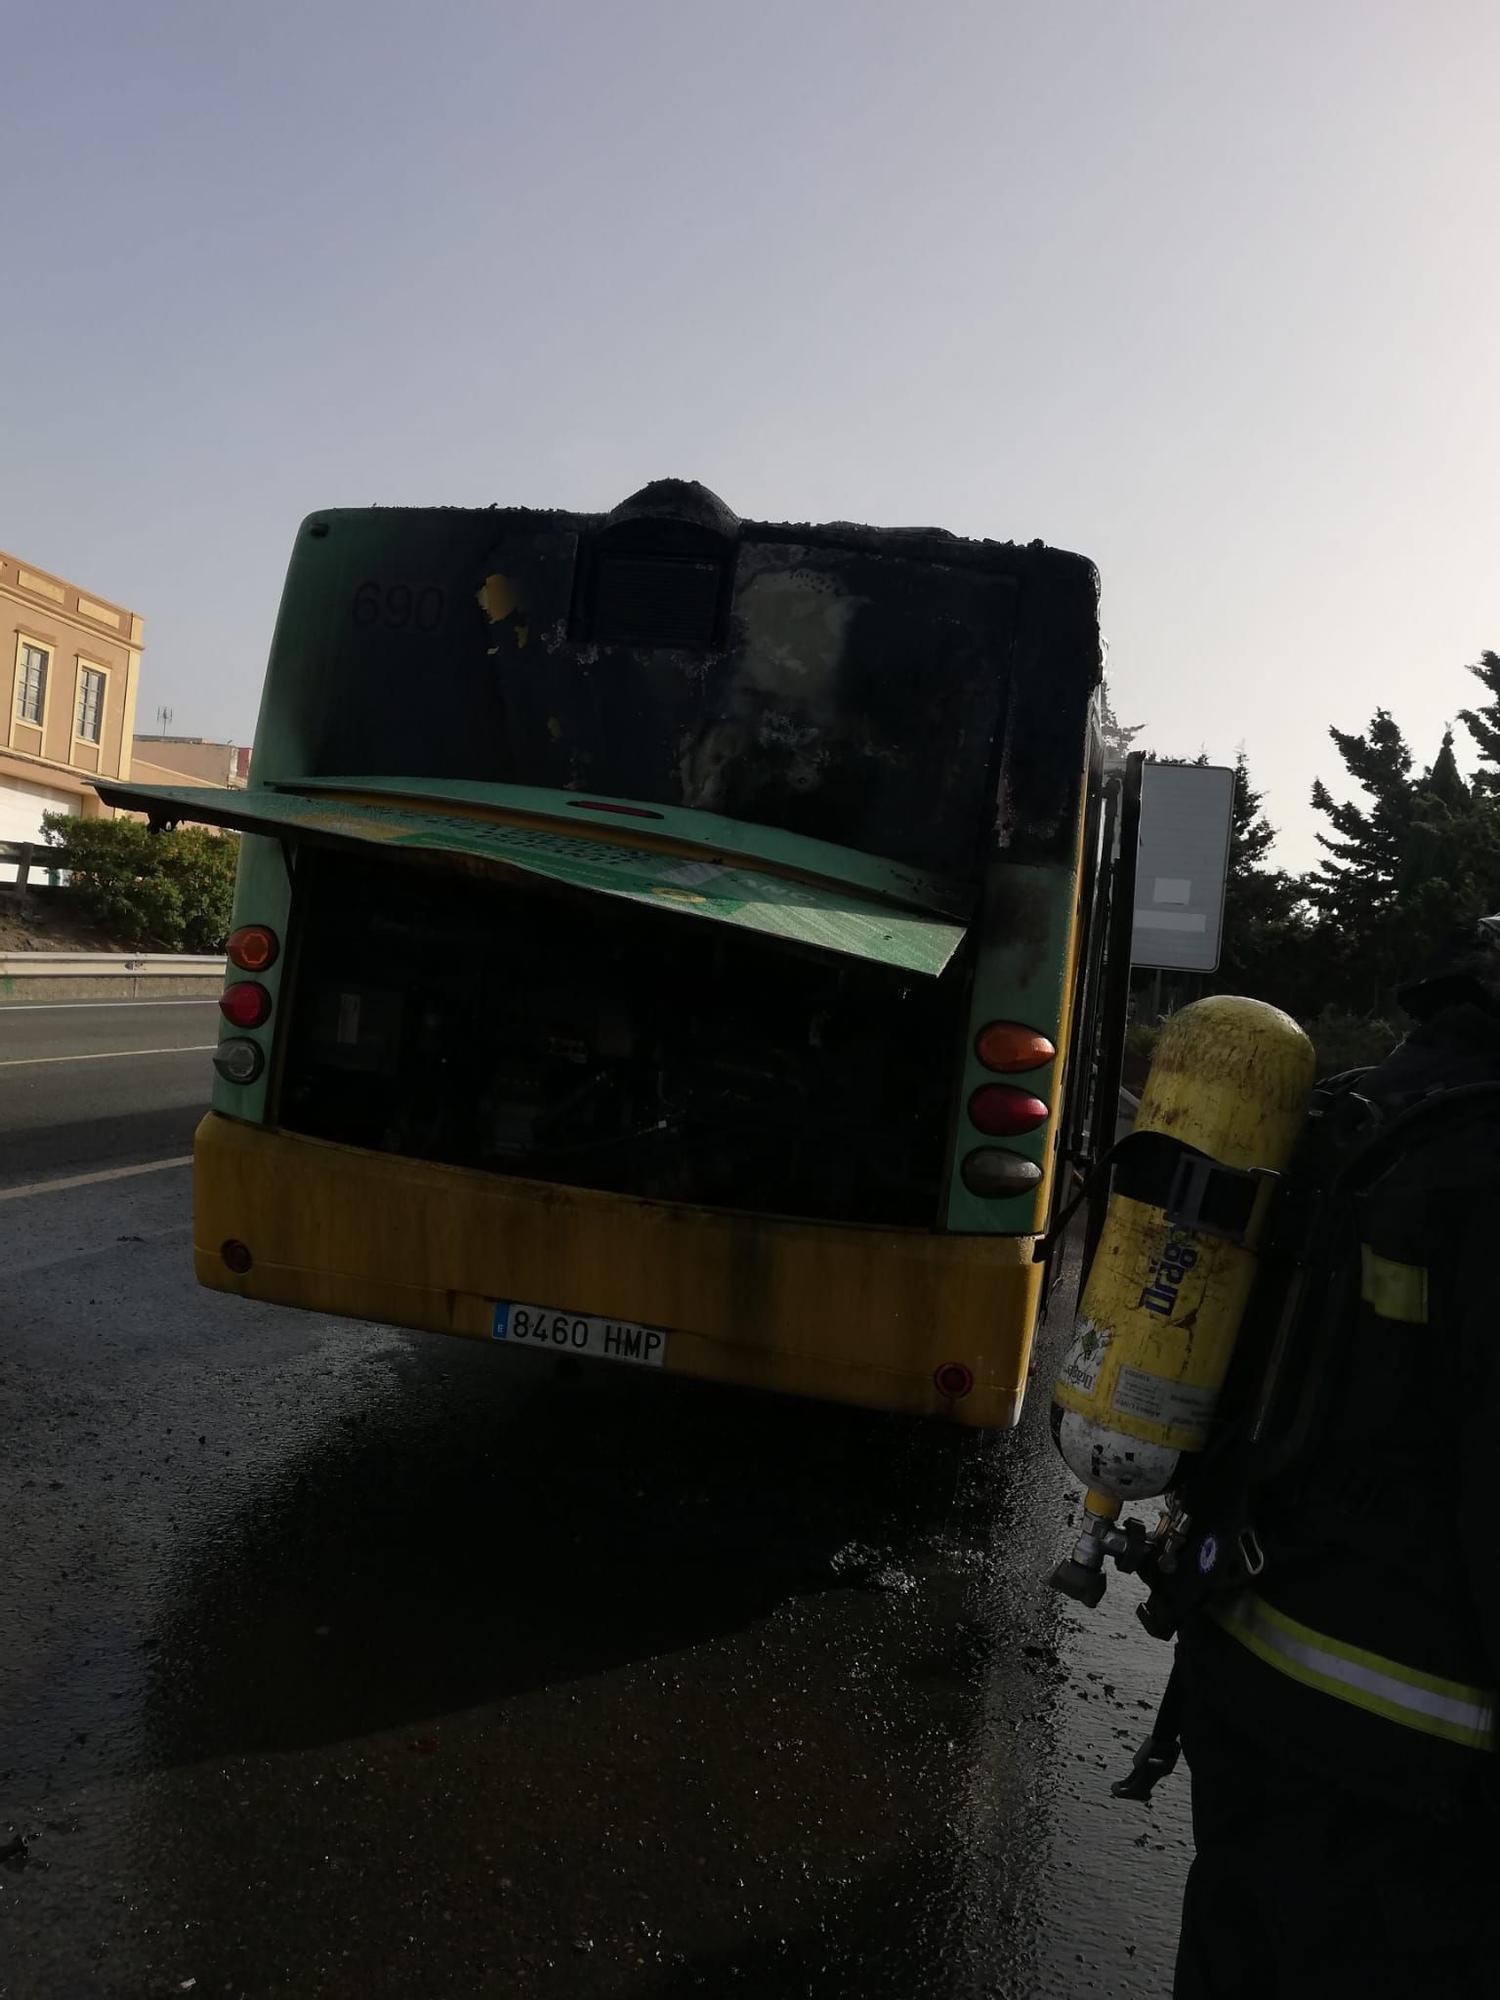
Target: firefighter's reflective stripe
[[1393, 1290], [1384, 1687]]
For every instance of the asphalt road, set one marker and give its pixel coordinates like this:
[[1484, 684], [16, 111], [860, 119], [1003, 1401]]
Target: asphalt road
[[88, 1087], [337, 1661]]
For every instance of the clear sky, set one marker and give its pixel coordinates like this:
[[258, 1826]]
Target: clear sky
[[1206, 291]]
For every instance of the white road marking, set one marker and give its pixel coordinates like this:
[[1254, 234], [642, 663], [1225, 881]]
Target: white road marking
[[108, 1055], [90, 1180], [72, 1006]]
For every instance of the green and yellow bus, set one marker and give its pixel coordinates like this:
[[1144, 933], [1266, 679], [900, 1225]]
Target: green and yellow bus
[[666, 937]]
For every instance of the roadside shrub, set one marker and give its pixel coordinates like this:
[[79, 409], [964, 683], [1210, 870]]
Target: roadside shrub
[[1340, 1040], [149, 891], [1140, 1041], [1350, 1041]]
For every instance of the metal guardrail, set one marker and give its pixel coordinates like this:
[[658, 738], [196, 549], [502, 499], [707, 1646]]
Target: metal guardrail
[[22, 852], [107, 964]]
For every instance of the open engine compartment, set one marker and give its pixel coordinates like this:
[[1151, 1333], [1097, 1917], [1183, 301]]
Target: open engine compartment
[[569, 1038]]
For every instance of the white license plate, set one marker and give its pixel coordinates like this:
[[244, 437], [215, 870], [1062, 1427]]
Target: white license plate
[[579, 1333]]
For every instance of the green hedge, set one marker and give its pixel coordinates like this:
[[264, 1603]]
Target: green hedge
[[148, 891], [1350, 1041], [1341, 1041], [1140, 1040]]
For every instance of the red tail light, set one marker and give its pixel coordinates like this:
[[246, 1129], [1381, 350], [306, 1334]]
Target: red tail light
[[953, 1379], [1007, 1045], [1001, 1111], [252, 948], [236, 1255], [247, 1004]]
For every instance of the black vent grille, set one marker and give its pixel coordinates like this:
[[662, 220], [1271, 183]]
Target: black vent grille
[[655, 601]]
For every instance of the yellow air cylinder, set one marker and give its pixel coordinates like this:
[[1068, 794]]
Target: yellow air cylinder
[[1162, 1305]]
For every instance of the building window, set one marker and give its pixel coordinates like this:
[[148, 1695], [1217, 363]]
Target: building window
[[90, 704], [31, 684]]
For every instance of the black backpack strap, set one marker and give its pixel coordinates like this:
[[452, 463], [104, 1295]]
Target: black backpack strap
[[1196, 1190], [1157, 1756]]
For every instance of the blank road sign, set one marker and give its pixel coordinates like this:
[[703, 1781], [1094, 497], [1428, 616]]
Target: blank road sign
[[1186, 814]]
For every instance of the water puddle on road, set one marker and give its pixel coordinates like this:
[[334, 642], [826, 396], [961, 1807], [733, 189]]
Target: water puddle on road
[[1070, 1891], [352, 1661]]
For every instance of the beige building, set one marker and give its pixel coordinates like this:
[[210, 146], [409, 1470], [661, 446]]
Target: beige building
[[70, 668], [194, 760]]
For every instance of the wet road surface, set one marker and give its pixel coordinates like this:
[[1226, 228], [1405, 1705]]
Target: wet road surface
[[338, 1661]]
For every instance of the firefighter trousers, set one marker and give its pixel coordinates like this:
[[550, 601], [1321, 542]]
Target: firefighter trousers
[[1302, 1890]]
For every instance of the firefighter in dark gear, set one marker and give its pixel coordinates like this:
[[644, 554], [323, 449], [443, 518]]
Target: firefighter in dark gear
[[1339, 1706]]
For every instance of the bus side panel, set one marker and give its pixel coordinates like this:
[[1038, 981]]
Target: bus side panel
[[852, 1315], [1029, 928]]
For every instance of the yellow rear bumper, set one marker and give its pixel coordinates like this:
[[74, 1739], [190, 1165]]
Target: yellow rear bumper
[[854, 1315]]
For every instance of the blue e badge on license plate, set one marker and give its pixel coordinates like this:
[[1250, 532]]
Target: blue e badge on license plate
[[579, 1333]]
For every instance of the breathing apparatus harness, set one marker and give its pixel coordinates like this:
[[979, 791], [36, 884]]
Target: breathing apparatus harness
[[1298, 1323]]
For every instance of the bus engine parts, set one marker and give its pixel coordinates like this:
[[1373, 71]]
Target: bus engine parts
[[1164, 1296]]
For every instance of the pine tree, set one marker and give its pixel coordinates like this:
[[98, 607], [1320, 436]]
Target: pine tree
[[1266, 926], [1435, 850], [1117, 737], [1251, 835], [1403, 874], [1483, 723], [1362, 949], [1363, 855], [1443, 780], [1481, 831]]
